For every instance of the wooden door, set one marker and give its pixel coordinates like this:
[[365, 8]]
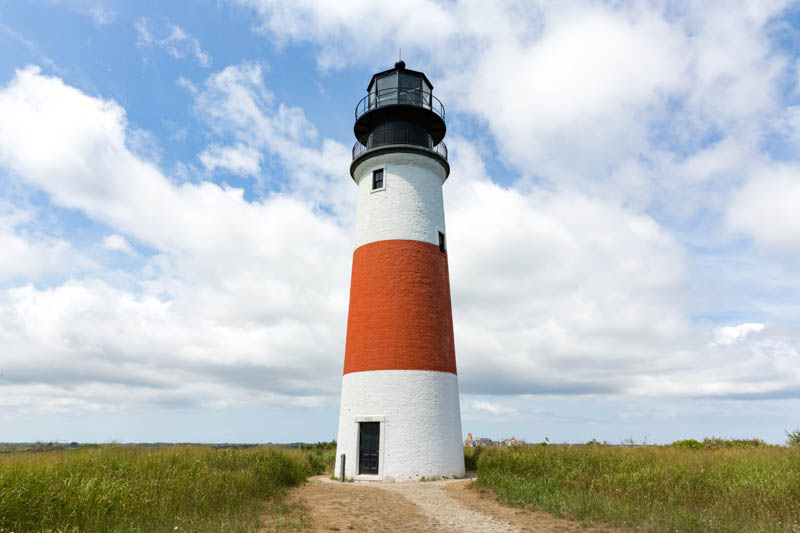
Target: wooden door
[[369, 438]]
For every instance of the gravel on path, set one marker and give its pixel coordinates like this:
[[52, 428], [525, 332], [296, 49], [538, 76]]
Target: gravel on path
[[446, 512], [443, 506]]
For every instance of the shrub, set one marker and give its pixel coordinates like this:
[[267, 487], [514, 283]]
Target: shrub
[[793, 437], [471, 455], [715, 443], [687, 444]]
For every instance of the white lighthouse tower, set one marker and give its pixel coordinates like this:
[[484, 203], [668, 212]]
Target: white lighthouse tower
[[400, 417]]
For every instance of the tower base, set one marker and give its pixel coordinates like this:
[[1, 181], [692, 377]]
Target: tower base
[[419, 425]]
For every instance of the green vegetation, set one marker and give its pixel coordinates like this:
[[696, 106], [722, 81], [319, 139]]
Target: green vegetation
[[715, 443], [320, 457], [717, 488], [793, 437], [471, 455], [142, 488]]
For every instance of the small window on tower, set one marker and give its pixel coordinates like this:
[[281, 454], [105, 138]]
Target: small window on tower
[[441, 242], [377, 179]]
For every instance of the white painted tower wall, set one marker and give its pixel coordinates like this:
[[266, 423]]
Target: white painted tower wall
[[419, 411]]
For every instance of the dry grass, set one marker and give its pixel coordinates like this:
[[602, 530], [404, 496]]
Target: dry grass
[[142, 489], [653, 488]]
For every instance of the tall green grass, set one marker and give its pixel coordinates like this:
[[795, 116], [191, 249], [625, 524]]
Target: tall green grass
[[146, 489], [653, 488]]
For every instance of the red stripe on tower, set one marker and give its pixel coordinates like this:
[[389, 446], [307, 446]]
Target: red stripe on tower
[[400, 316]]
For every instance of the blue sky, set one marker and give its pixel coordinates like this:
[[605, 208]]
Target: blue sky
[[176, 214]]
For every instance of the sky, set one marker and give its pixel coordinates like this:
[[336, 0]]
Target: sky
[[177, 215]]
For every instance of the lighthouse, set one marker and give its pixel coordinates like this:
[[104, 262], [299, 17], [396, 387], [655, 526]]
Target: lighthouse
[[400, 417]]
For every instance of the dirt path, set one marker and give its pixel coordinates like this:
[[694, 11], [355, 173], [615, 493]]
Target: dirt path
[[447, 506], [447, 513]]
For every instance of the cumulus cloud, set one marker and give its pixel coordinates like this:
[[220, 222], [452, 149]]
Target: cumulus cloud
[[633, 138], [765, 208], [494, 409], [238, 159], [241, 301], [635, 132], [558, 308], [118, 243], [731, 334], [176, 43], [600, 98], [237, 105], [27, 252]]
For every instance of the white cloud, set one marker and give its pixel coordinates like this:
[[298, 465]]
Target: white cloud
[[732, 334], [28, 254], [766, 208], [494, 409], [117, 243], [565, 283], [102, 16], [544, 304], [337, 25], [242, 302], [237, 159], [236, 104], [638, 132], [176, 43], [576, 94]]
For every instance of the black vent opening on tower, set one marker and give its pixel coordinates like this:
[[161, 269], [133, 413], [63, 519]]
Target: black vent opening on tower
[[441, 243]]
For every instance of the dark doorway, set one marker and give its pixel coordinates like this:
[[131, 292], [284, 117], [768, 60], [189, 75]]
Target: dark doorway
[[369, 438]]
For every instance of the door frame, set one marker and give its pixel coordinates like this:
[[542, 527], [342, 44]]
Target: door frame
[[381, 446]]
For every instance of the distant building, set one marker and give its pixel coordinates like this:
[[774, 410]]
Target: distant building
[[486, 441], [480, 441]]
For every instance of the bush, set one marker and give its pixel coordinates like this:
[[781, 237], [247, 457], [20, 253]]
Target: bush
[[687, 444], [793, 437], [715, 443], [471, 455]]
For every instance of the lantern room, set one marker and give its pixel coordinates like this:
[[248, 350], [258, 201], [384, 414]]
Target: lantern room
[[399, 110]]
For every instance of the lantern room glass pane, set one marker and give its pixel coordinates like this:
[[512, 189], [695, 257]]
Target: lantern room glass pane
[[372, 92], [387, 89], [426, 94], [410, 86], [409, 81]]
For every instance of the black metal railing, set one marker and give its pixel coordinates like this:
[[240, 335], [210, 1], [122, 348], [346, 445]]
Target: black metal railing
[[398, 133], [395, 137], [399, 96]]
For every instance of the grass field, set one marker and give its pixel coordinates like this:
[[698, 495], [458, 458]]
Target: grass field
[[147, 489], [653, 488]]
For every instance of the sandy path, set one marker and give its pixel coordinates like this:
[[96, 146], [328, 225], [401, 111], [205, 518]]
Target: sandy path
[[446, 512], [446, 506]]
